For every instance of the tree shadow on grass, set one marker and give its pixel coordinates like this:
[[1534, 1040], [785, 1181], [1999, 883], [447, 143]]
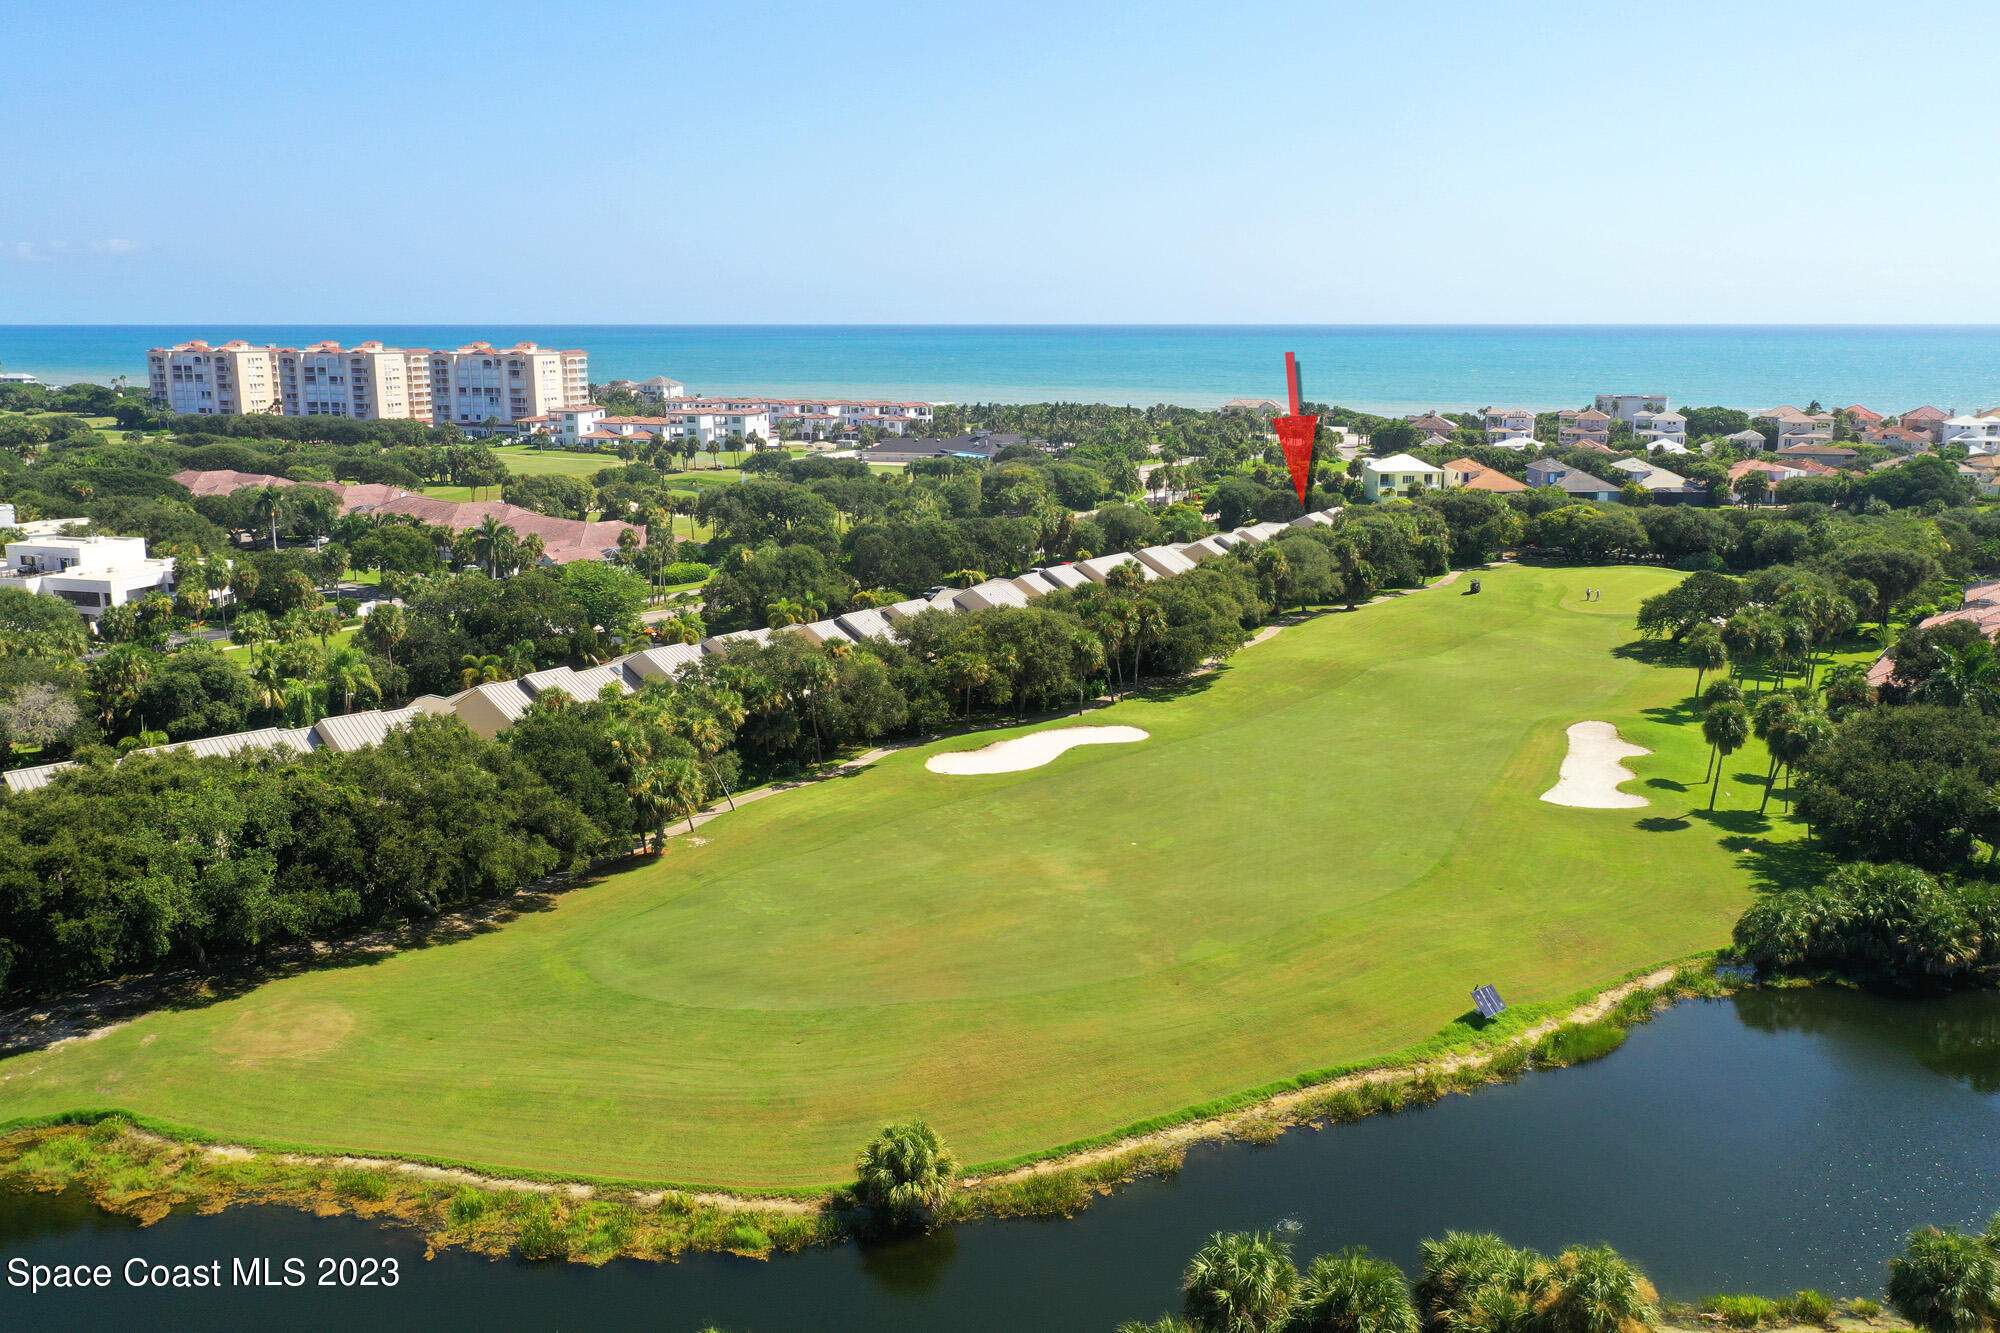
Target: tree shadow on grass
[[1668, 784], [1652, 652], [1662, 824]]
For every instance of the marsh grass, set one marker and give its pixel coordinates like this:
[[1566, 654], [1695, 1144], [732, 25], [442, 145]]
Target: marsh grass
[[1742, 1311]]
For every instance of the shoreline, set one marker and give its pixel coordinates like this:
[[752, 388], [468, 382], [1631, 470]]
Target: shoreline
[[142, 1168]]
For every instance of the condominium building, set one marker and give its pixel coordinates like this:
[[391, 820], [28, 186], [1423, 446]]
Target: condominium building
[[369, 383], [1589, 426], [1508, 423], [200, 380], [480, 382], [468, 386]]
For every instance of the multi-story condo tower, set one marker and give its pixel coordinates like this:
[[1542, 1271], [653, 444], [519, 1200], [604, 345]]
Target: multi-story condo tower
[[213, 381], [466, 387]]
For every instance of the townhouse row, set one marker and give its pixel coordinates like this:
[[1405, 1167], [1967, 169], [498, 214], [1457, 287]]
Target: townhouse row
[[491, 708]]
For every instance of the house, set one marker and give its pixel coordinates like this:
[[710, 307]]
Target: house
[[1066, 577], [991, 595], [1627, 406], [1816, 451], [1983, 471], [1652, 477], [1398, 474], [1791, 424], [1580, 484], [1589, 425], [1981, 606], [1260, 533], [981, 446], [1861, 418], [1036, 584], [1432, 424], [1926, 419], [1165, 561], [1665, 430], [867, 623], [1747, 441], [1976, 435], [1773, 473], [1479, 477], [1508, 423], [1261, 407], [93, 574], [1900, 438], [1098, 568]]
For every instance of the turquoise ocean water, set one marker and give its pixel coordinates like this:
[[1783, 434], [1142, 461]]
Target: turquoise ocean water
[[1379, 368]]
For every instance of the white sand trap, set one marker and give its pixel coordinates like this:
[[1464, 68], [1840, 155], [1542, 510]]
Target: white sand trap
[[1591, 771], [1029, 751]]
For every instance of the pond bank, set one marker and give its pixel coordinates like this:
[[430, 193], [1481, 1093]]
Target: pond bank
[[134, 1167]]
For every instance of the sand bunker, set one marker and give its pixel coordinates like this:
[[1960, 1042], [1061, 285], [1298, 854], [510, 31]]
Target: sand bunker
[[1028, 751], [1591, 771]]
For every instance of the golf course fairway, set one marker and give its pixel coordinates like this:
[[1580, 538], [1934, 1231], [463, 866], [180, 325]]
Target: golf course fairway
[[1321, 849]]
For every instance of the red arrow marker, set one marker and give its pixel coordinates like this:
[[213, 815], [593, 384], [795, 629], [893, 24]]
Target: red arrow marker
[[1296, 433]]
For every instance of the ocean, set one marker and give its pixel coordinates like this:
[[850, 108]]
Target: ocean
[[1377, 368]]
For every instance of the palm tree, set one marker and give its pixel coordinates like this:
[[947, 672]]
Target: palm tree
[[1705, 651], [1239, 1283], [347, 672], [1945, 1281], [323, 622], [475, 669], [1807, 729], [1351, 1292], [518, 659], [966, 672], [1593, 1289], [1967, 677], [965, 578], [906, 1173], [682, 627], [705, 732], [1725, 727], [1149, 625], [817, 673], [787, 611], [1456, 1265], [385, 627], [528, 552], [266, 506], [271, 687], [116, 678], [488, 540], [1773, 718]]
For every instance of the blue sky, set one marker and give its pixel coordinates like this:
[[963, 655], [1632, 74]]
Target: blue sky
[[882, 162]]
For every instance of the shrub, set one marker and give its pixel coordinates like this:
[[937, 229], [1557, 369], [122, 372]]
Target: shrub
[[906, 1172], [354, 1183], [1573, 1043], [686, 571], [743, 1236], [467, 1206], [1945, 1281], [1810, 1307], [1742, 1311], [542, 1234], [1863, 1308]]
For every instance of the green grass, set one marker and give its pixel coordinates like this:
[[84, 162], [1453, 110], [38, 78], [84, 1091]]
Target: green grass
[[1312, 861]]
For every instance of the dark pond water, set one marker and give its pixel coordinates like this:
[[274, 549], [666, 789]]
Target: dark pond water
[[1762, 1143]]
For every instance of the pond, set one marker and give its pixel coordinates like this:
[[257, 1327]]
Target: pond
[[1774, 1140]]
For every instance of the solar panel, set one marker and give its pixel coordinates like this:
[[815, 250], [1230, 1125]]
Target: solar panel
[[1489, 1002]]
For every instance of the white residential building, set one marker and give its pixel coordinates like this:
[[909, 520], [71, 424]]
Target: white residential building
[[1975, 435], [93, 574], [1668, 429], [1628, 406]]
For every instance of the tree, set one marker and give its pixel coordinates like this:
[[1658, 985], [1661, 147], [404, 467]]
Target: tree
[[1885, 925], [1593, 1289], [906, 1174], [1889, 573], [1753, 487], [384, 627], [1804, 731], [1945, 1281], [489, 543], [347, 674], [267, 505], [1725, 727], [1773, 718], [39, 713], [1352, 1292], [1912, 784], [1703, 596], [1239, 1283], [1704, 652]]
